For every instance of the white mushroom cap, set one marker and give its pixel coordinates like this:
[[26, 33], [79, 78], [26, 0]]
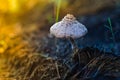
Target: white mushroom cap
[[69, 27]]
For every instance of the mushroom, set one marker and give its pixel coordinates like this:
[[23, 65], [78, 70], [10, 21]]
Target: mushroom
[[69, 28]]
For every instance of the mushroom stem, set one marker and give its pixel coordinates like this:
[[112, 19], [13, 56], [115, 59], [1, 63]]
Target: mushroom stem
[[72, 41], [74, 46]]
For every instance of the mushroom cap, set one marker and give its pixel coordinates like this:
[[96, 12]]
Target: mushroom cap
[[68, 27]]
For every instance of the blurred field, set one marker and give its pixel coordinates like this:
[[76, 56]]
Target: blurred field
[[39, 11], [31, 14], [21, 20]]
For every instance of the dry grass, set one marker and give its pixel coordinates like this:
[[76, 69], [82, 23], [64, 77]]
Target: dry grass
[[29, 63]]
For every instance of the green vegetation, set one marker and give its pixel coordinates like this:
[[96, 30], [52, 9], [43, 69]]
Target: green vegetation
[[110, 28], [58, 9]]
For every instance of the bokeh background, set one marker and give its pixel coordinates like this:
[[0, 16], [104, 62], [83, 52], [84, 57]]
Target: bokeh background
[[24, 22], [18, 16]]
